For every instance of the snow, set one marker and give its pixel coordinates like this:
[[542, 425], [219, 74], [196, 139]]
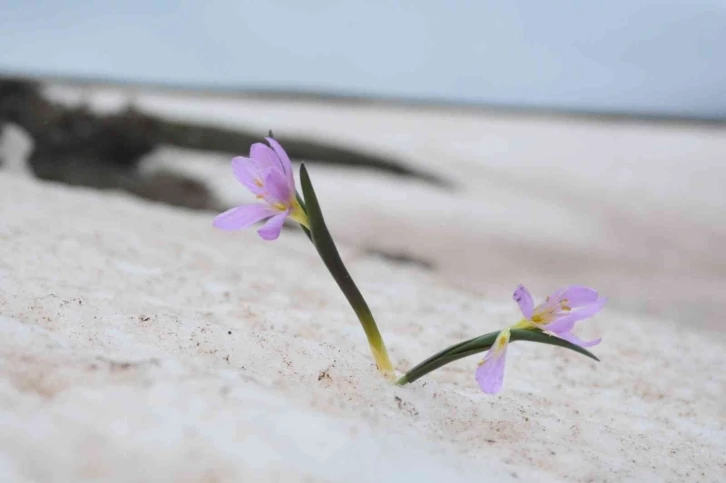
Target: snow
[[137, 343]]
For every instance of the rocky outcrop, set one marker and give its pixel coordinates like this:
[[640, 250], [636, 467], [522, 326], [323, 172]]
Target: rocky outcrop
[[77, 146]]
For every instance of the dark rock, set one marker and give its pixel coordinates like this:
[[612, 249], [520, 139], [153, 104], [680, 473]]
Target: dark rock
[[175, 189], [80, 147], [401, 258]]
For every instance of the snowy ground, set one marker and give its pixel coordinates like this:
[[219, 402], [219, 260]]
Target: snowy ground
[[140, 344]]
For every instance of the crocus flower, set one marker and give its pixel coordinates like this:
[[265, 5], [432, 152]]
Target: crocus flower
[[267, 173], [556, 315], [560, 311]]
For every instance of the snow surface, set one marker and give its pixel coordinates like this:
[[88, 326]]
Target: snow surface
[[139, 344]]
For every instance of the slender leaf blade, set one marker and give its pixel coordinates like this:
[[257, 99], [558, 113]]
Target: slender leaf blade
[[324, 244], [484, 343], [543, 338]]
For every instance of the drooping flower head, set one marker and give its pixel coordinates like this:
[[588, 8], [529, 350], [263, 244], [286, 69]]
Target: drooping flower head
[[556, 315], [560, 311], [267, 173]]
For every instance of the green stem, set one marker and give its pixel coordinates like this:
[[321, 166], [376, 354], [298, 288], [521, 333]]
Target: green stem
[[322, 240]]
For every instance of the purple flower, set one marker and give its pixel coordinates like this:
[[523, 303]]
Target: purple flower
[[556, 315], [267, 173], [560, 311]]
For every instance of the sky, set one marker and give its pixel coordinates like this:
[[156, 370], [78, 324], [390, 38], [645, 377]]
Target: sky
[[641, 56]]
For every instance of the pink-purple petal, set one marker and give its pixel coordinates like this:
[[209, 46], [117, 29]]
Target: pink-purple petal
[[490, 375], [242, 217], [565, 323], [578, 296], [276, 188], [246, 173], [524, 299], [265, 157], [562, 324], [551, 303], [570, 337], [284, 161], [271, 230]]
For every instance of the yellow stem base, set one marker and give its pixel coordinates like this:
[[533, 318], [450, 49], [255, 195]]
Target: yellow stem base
[[383, 363]]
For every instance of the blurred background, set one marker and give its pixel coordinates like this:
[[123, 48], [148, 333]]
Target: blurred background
[[490, 142], [626, 56]]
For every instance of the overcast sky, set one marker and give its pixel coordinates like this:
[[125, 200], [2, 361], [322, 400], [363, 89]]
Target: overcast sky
[[631, 55]]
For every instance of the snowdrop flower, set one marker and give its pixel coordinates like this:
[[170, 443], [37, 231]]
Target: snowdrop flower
[[267, 173], [556, 315]]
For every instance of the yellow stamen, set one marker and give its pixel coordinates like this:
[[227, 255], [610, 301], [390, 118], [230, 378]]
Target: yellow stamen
[[259, 182], [565, 307]]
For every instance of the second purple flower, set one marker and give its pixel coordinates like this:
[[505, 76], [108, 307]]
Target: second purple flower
[[556, 315]]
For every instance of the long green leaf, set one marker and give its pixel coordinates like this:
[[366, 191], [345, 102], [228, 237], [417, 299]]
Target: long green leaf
[[481, 344], [325, 245], [323, 241]]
